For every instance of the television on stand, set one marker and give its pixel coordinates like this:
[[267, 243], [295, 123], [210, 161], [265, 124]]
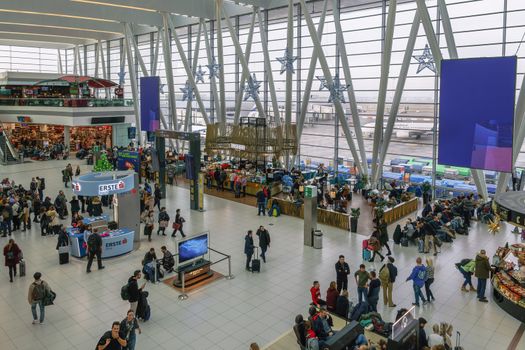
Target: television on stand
[[191, 262]]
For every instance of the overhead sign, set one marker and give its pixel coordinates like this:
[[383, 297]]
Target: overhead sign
[[104, 189], [101, 184]]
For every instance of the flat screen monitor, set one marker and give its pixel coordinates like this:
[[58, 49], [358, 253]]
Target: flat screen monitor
[[193, 248]]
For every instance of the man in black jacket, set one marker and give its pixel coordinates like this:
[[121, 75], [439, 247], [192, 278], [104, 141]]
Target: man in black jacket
[[342, 270], [388, 284], [94, 245], [264, 241], [134, 290]]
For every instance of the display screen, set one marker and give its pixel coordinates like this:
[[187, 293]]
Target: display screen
[[193, 248], [149, 103], [477, 113]]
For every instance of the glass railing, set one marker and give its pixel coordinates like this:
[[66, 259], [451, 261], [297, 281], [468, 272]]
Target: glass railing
[[66, 102]]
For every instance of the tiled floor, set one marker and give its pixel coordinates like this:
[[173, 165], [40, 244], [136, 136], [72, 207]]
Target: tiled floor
[[226, 314]]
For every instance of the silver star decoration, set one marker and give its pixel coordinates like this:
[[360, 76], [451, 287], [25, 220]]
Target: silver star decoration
[[252, 90], [426, 60], [323, 85], [161, 88], [187, 92], [287, 62], [337, 90], [199, 75], [121, 76], [213, 69]]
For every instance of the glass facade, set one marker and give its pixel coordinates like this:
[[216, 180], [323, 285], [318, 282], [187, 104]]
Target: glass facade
[[481, 28]]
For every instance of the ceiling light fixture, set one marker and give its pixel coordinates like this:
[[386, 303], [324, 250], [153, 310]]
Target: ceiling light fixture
[[39, 34], [59, 27], [58, 15], [92, 2]]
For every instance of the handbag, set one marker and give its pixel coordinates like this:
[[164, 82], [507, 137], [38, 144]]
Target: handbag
[[63, 249], [175, 226], [163, 224]]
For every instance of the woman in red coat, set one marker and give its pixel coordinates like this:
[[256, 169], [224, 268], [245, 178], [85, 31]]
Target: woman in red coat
[[12, 256], [331, 296]]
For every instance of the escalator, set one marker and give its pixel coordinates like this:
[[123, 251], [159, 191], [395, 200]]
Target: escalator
[[8, 154]]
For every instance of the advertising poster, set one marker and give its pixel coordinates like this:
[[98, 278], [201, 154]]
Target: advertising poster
[[149, 103], [128, 160]]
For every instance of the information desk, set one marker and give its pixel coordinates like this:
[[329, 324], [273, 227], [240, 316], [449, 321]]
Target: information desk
[[94, 219], [114, 243], [327, 217], [393, 214], [251, 187]]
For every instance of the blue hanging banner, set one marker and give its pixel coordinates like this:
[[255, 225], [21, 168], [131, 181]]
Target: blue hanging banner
[[149, 103]]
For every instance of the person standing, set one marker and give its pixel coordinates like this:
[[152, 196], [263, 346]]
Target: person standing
[[342, 270], [248, 249], [33, 186], [466, 267], [26, 216], [82, 200], [149, 224], [17, 210], [112, 340], [94, 245], [418, 277], [482, 273], [361, 279], [429, 280], [41, 187], [264, 241], [75, 205], [129, 327], [178, 224], [134, 290], [373, 291], [157, 196], [37, 292], [12, 256], [260, 202], [164, 220], [422, 338], [7, 217], [387, 276], [77, 170]]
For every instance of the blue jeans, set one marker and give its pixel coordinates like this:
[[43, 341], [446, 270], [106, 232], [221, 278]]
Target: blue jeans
[[42, 310], [467, 276], [418, 294], [482, 285], [131, 341], [260, 207], [362, 293], [6, 227]]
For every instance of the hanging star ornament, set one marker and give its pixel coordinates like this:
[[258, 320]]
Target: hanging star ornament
[[121, 76], [287, 61], [199, 75], [187, 92], [494, 225], [323, 85], [161, 89], [337, 90], [213, 69], [252, 89], [426, 60]]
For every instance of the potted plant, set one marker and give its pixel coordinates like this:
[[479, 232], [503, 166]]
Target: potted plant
[[426, 188], [354, 216]]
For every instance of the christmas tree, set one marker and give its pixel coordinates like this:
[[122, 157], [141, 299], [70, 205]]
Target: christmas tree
[[103, 164]]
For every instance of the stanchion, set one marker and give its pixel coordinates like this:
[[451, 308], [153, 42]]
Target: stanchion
[[230, 276], [183, 296]]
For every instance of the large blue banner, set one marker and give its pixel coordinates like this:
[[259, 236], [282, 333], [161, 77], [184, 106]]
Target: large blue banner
[[128, 160], [149, 103], [477, 113]]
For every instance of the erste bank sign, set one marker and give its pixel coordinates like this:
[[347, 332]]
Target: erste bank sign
[[111, 187]]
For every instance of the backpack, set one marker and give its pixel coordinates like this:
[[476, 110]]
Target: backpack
[[124, 292], [384, 275], [39, 291], [397, 234], [312, 344], [92, 242]]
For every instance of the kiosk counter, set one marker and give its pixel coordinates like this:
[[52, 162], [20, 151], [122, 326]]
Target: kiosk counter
[[114, 243]]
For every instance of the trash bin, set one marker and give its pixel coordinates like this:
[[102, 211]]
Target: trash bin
[[318, 239]]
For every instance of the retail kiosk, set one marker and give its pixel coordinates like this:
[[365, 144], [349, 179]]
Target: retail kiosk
[[123, 185]]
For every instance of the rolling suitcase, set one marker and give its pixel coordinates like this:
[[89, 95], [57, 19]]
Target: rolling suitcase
[[63, 255], [366, 252], [256, 263], [22, 268], [458, 341]]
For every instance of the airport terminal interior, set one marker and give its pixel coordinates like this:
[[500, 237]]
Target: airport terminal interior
[[252, 144]]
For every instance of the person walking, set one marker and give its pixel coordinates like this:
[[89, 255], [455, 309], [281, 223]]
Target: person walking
[[149, 224], [164, 220], [94, 245], [342, 270], [387, 276], [12, 256], [482, 273], [383, 235], [134, 290], [418, 277], [128, 328], [7, 217], [261, 198], [248, 249], [35, 296], [112, 340], [361, 279], [264, 241], [178, 224], [466, 267], [157, 196], [430, 280]]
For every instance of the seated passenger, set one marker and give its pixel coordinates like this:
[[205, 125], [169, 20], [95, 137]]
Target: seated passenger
[[343, 305], [322, 323], [300, 330], [331, 296], [167, 259], [316, 294]]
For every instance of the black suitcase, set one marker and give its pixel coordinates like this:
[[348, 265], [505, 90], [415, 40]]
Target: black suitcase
[[256, 263], [458, 341], [63, 255]]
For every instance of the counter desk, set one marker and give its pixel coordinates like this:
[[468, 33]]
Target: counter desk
[[114, 243]]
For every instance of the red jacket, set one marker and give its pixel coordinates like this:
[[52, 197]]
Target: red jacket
[[316, 293], [331, 299], [15, 256]]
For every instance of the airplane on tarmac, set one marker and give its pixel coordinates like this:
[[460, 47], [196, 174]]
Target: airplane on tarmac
[[404, 128]]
